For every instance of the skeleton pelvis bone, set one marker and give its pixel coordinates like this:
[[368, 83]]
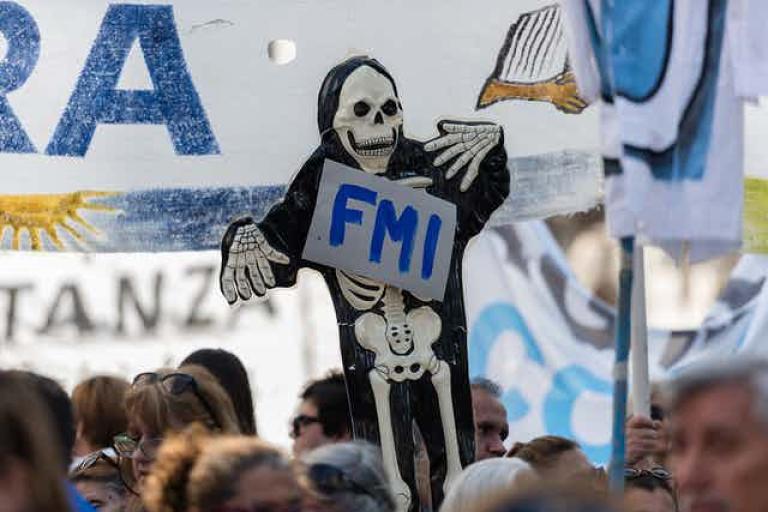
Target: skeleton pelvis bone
[[402, 342]]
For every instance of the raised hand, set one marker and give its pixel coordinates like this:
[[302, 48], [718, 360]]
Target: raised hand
[[468, 143], [245, 262]]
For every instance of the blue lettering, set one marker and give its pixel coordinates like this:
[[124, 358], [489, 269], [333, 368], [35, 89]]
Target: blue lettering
[[342, 215], [20, 31], [430, 246], [401, 229], [173, 102]]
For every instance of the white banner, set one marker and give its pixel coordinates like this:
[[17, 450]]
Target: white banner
[[174, 118], [549, 343]]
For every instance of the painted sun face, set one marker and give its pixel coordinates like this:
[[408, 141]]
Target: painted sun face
[[48, 213]]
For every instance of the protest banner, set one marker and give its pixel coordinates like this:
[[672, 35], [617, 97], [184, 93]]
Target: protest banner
[[148, 127]]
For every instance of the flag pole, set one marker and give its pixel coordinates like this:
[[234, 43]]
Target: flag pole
[[623, 333], [640, 388]]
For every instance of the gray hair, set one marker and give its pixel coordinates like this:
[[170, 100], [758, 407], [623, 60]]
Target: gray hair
[[484, 481], [749, 371], [487, 385], [361, 463]]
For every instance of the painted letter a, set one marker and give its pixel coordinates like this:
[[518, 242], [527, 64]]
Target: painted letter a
[[173, 102]]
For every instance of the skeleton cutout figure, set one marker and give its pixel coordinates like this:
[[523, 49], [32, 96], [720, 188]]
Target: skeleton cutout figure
[[404, 357]]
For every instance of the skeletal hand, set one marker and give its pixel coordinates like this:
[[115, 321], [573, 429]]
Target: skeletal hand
[[469, 142], [565, 94], [245, 262]]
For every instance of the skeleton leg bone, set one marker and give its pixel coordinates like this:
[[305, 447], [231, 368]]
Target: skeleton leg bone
[[400, 489], [441, 380]]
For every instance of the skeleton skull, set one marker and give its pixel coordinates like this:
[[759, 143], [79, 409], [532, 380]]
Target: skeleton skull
[[369, 118]]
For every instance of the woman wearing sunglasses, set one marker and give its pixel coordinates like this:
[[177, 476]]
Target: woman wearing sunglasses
[[197, 472], [166, 401]]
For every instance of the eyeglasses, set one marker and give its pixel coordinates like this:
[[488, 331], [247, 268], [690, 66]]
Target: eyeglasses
[[658, 473], [177, 384], [127, 446], [108, 455], [329, 480], [300, 421]]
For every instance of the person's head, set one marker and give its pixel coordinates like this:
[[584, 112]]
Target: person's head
[[99, 408], [232, 376], [483, 482], [98, 480], [491, 426], [197, 472], [167, 401], [323, 415], [31, 478], [553, 457], [548, 497], [719, 435], [59, 407], [351, 476], [648, 490]]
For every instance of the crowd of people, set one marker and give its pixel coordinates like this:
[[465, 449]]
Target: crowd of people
[[185, 440]]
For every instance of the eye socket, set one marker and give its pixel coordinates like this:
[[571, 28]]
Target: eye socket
[[389, 108], [361, 108]]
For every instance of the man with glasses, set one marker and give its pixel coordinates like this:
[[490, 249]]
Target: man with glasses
[[719, 435], [323, 415]]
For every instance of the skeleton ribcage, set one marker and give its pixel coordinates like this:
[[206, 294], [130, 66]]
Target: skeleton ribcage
[[362, 293], [536, 48]]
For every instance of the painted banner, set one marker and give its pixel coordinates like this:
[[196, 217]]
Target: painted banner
[[549, 343], [405, 236], [149, 126]]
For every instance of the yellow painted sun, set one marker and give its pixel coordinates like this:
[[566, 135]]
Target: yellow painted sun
[[47, 213]]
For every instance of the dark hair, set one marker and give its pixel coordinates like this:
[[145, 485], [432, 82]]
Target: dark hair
[[232, 376], [487, 385], [59, 406], [99, 407], [328, 98], [329, 395], [26, 437], [542, 452]]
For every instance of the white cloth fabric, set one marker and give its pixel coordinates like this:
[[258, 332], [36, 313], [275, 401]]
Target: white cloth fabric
[[749, 39], [671, 119]]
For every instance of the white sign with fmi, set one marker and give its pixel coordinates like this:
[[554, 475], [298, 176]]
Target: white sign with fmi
[[383, 230]]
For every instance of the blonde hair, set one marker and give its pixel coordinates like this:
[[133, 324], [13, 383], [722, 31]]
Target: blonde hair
[[483, 482], [27, 439], [195, 470], [157, 409], [99, 407]]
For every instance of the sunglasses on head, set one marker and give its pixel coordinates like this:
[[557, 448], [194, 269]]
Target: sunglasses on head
[[300, 421], [108, 455], [330, 480], [177, 384], [111, 456], [658, 473]]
